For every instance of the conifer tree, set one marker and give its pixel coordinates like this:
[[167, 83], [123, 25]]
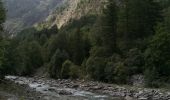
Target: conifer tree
[[109, 26], [139, 18], [2, 15]]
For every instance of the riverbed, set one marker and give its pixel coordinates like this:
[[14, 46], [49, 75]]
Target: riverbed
[[48, 89], [41, 88]]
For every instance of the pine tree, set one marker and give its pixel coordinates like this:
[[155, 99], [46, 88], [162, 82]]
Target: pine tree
[[139, 18], [2, 42], [109, 26]]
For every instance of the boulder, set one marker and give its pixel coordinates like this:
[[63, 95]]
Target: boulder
[[64, 92]]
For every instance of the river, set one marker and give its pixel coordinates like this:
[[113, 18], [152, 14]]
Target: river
[[46, 89]]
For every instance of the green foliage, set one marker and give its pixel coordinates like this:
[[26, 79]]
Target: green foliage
[[152, 78], [95, 67], [106, 29], [78, 47], [30, 57], [56, 62], [3, 43], [75, 72], [124, 40], [136, 22], [110, 67], [70, 70], [66, 69], [134, 61], [166, 23], [3, 46], [2, 15], [121, 72], [158, 55], [57, 42]]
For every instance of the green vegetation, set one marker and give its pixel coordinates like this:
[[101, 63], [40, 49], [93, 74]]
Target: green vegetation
[[3, 43], [128, 38]]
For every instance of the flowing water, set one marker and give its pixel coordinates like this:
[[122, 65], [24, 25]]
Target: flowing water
[[46, 91]]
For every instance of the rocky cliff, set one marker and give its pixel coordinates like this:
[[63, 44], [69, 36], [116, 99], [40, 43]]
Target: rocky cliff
[[72, 9]]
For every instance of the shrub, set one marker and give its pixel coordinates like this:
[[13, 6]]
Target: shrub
[[121, 72], [134, 61], [66, 69], [95, 67], [70, 70]]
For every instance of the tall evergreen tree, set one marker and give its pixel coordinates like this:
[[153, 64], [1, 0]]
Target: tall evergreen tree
[[2, 15], [139, 18], [108, 27], [2, 42]]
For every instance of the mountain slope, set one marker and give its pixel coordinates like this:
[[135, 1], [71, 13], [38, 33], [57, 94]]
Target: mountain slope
[[72, 9], [25, 13]]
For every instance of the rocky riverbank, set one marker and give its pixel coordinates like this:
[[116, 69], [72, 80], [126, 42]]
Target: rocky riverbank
[[11, 91], [89, 90]]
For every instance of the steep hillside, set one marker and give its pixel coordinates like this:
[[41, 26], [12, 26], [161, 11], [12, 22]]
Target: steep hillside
[[72, 9], [25, 13]]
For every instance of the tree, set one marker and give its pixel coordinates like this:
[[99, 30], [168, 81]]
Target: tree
[[2, 42], [166, 23], [78, 46], [137, 20], [59, 41], [95, 67], [29, 57], [56, 62], [157, 55], [66, 69], [2, 15], [105, 30], [3, 46]]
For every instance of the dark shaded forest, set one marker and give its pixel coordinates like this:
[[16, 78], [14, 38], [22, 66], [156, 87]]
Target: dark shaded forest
[[130, 37]]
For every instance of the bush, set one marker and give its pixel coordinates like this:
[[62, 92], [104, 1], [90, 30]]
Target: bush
[[157, 56], [95, 67], [66, 69], [134, 61], [75, 72], [121, 73], [110, 68], [70, 70], [152, 78]]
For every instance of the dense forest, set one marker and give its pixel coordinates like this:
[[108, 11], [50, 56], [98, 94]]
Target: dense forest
[[130, 37]]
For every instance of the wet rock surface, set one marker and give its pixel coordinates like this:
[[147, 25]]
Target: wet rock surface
[[82, 90]]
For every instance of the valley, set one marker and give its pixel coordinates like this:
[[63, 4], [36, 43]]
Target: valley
[[84, 49]]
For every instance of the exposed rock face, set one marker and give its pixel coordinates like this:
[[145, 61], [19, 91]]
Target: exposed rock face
[[46, 13], [73, 9]]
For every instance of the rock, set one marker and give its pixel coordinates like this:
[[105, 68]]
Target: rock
[[97, 87], [39, 86], [142, 98], [129, 98], [64, 92], [52, 89], [75, 86]]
